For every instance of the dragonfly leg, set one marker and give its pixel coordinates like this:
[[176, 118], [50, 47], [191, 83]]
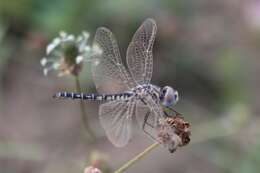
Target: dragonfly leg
[[144, 123], [171, 109], [146, 120], [143, 101], [166, 114]]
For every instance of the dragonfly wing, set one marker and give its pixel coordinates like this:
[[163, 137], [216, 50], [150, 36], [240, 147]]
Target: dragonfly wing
[[148, 116], [116, 119], [109, 74], [139, 53], [141, 112]]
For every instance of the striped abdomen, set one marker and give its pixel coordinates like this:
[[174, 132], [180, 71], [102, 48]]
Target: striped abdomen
[[86, 96]]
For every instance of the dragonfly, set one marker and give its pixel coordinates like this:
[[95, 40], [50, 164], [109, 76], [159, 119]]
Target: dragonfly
[[127, 92]]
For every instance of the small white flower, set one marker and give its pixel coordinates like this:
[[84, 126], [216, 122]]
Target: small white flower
[[66, 53], [63, 34], [70, 38], [45, 71], [43, 61], [97, 49], [87, 48], [96, 62], [53, 45], [86, 34], [56, 66], [79, 59]]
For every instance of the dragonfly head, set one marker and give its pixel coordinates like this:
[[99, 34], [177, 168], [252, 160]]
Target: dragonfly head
[[169, 96]]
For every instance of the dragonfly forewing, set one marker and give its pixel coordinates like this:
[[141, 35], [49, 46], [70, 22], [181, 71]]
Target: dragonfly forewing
[[109, 74], [139, 53]]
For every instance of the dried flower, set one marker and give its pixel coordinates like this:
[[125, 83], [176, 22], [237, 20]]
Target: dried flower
[[91, 169], [173, 132], [66, 54]]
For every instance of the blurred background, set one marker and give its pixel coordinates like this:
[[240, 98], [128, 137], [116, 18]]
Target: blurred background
[[208, 50]]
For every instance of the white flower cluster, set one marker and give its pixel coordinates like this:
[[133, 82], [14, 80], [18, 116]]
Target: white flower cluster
[[56, 52]]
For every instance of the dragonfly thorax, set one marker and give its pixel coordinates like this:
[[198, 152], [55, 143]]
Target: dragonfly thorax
[[142, 91], [169, 96]]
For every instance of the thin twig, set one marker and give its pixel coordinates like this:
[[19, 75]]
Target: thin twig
[[83, 112], [136, 158]]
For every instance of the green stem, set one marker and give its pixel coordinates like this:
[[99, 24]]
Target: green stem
[[83, 112], [136, 158]]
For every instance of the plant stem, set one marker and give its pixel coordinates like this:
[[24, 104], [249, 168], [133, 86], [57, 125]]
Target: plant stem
[[83, 112], [136, 158]]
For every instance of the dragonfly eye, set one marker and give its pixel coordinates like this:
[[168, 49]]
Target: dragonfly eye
[[176, 96], [169, 96], [164, 91]]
